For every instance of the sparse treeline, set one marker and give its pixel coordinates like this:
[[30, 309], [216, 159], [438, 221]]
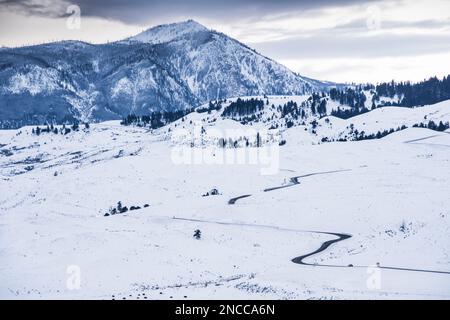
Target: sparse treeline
[[362, 135], [50, 128], [34, 120], [122, 209], [290, 111], [316, 103], [156, 119], [212, 106], [245, 141], [433, 126], [380, 134], [17, 123]]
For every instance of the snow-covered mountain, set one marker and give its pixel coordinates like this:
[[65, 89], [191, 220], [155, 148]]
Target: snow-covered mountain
[[174, 66], [216, 66]]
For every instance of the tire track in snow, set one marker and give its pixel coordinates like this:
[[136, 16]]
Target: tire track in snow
[[416, 141]]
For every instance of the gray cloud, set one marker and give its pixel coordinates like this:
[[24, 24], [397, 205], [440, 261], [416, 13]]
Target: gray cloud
[[46, 8], [333, 45], [144, 12], [328, 44], [361, 24]]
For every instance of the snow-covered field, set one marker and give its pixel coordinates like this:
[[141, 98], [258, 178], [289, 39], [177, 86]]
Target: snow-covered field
[[391, 195]]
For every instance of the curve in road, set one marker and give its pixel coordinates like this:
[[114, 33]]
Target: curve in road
[[233, 200], [342, 237], [324, 246], [292, 182]]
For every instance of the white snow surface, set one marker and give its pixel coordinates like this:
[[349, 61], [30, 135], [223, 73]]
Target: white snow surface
[[35, 81], [390, 194], [168, 32]]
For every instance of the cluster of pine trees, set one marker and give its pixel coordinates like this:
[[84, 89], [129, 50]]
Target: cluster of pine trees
[[156, 119], [212, 106], [433, 126], [348, 113], [318, 104], [354, 98], [410, 94], [242, 108], [122, 209], [290, 108]]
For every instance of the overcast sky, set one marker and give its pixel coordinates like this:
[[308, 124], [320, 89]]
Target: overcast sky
[[344, 41]]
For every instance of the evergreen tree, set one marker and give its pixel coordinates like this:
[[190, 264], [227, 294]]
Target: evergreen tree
[[197, 234]]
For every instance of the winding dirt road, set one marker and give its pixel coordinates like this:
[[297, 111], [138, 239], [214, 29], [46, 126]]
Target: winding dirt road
[[325, 245], [292, 182], [233, 200]]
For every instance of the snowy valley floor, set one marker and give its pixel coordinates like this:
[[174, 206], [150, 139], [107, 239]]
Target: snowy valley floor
[[391, 195]]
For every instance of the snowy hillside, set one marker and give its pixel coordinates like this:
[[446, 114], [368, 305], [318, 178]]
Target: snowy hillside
[[381, 119], [312, 127], [169, 32], [382, 202]]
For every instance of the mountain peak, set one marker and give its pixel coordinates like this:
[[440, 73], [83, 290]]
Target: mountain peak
[[169, 32]]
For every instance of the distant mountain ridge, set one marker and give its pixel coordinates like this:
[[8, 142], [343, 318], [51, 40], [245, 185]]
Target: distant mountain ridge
[[168, 67]]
